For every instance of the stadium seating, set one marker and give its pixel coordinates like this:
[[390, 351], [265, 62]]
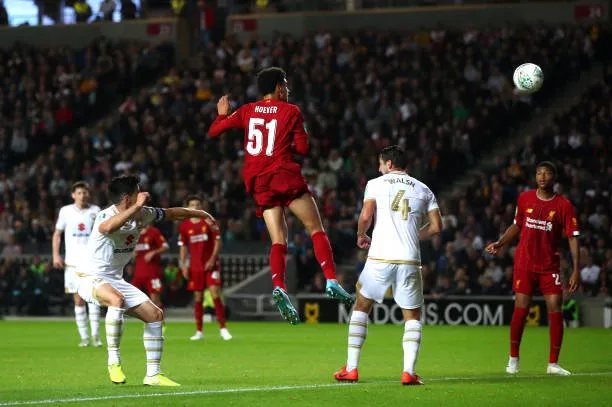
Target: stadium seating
[[443, 95]]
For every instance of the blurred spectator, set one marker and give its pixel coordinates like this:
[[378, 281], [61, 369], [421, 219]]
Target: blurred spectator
[[4, 18], [128, 10], [107, 9], [82, 9]]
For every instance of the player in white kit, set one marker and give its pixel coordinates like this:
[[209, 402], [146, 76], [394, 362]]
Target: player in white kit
[[111, 246], [75, 222], [402, 205]]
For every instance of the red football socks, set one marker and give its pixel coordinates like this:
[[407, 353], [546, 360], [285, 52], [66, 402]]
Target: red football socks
[[278, 265], [517, 326], [323, 253], [220, 311], [199, 313], [555, 329]]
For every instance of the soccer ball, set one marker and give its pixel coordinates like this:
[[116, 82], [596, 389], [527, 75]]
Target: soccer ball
[[528, 78]]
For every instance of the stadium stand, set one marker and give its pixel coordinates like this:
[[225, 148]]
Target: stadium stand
[[443, 95]]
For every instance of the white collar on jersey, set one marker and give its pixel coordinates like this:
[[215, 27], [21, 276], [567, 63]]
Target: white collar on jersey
[[546, 200]]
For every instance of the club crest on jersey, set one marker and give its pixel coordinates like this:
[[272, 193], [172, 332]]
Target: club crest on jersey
[[529, 210], [574, 222], [551, 215], [203, 229], [190, 232]]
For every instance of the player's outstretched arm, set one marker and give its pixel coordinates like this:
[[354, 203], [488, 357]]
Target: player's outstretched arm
[[433, 227], [186, 213], [224, 120], [509, 235]]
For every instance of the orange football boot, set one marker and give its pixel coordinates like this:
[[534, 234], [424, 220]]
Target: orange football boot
[[346, 376], [411, 380]]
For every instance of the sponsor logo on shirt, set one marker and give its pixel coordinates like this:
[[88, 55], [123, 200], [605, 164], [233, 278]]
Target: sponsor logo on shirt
[[124, 250], [538, 224], [198, 238]]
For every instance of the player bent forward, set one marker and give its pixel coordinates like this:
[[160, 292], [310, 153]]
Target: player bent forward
[[541, 218], [401, 203], [110, 247]]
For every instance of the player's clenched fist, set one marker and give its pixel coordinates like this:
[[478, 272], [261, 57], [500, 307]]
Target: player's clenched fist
[[363, 241], [223, 106]]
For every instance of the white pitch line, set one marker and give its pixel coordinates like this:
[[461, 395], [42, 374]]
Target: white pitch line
[[276, 388]]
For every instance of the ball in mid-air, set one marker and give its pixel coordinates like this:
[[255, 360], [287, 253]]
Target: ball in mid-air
[[528, 78]]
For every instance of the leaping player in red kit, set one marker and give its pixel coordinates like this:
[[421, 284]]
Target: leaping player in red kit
[[273, 131], [541, 218]]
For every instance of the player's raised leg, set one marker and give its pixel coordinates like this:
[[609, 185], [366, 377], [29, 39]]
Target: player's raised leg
[[306, 210], [215, 293], [357, 333], [153, 340], [80, 316], [277, 228], [554, 303]]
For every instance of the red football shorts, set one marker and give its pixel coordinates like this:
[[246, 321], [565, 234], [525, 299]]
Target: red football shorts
[[278, 188], [200, 279], [148, 283], [526, 282]]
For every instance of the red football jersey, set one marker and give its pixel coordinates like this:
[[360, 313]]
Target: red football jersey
[[542, 223], [150, 239], [200, 238], [271, 130]]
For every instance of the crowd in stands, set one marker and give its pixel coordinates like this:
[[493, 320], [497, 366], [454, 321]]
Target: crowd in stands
[[444, 96]]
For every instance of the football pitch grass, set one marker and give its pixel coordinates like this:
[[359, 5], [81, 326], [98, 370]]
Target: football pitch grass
[[275, 364]]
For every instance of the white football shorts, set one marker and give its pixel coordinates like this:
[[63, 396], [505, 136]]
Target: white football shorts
[[405, 280], [133, 296]]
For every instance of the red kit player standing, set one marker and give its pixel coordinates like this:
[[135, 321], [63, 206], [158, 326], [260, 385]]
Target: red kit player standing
[[148, 269], [203, 240], [273, 131], [541, 219]]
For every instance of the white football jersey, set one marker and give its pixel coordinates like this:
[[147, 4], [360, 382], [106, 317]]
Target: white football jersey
[[77, 225], [108, 253], [402, 204]]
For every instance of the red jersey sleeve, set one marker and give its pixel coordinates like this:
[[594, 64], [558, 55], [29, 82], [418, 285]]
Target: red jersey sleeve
[[300, 133], [223, 123], [570, 221], [215, 232], [161, 240], [519, 214], [182, 238]]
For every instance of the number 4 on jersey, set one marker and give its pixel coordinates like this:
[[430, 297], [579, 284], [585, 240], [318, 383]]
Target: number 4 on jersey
[[405, 206], [255, 136]]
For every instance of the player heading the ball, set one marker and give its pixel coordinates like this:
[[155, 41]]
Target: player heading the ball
[[274, 131]]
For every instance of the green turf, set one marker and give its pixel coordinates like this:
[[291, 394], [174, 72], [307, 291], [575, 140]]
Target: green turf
[[464, 365]]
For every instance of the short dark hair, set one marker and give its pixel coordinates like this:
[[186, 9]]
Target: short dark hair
[[122, 186], [79, 184], [548, 164], [395, 154], [193, 198], [268, 79]]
